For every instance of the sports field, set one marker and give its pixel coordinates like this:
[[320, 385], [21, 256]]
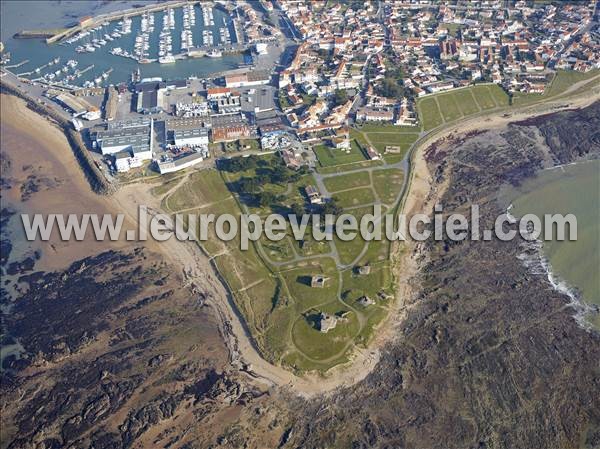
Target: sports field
[[445, 107]]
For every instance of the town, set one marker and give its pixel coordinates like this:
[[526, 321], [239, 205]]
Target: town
[[351, 63], [321, 117]]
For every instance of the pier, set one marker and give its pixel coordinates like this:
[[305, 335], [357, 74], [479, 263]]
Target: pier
[[90, 67], [118, 15], [14, 66]]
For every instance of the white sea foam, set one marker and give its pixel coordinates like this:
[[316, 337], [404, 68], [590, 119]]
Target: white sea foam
[[536, 262]]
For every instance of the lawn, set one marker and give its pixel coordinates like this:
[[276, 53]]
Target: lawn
[[308, 246], [499, 95], [483, 97], [386, 127], [277, 301], [355, 285], [387, 184], [565, 79], [393, 138], [429, 113], [355, 197], [329, 157], [348, 167], [448, 107], [278, 251], [358, 136], [349, 250], [382, 140], [249, 145], [466, 102], [322, 346], [349, 181], [202, 188], [297, 283], [459, 103], [520, 98]]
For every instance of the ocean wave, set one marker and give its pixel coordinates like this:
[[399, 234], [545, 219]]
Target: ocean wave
[[534, 260]]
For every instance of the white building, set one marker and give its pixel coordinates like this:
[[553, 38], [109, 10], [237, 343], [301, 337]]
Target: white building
[[125, 162], [173, 165], [135, 139], [197, 136], [261, 48]]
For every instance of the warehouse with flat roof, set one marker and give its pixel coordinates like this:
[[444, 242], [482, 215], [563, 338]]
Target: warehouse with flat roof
[[196, 136], [135, 139]]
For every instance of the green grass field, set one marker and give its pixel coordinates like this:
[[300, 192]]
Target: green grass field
[[385, 127], [381, 140], [563, 79], [348, 167], [270, 282], [329, 157], [429, 113], [202, 188], [387, 184], [466, 102], [446, 107], [322, 346], [355, 197], [349, 181], [483, 97], [349, 250]]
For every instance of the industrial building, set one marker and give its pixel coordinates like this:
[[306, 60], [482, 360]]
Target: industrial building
[[133, 137], [197, 136], [169, 165], [77, 105], [150, 97], [228, 105], [255, 78], [150, 102], [124, 161]]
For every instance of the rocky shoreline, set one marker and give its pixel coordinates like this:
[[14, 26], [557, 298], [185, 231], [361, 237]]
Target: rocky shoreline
[[119, 354]]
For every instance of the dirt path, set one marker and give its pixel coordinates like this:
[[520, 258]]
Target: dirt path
[[197, 270]]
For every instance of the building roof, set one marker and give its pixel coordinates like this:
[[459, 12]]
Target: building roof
[[188, 133], [218, 91], [149, 86], [149, 99]]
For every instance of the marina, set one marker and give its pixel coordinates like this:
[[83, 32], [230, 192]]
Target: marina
[[190, 40]]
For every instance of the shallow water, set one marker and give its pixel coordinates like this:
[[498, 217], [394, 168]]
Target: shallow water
[[572, 189], [15, 16]]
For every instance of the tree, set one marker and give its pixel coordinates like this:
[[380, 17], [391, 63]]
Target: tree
[[266, 198], [282, 175], [237, 164], [390, 88], [331, 208], [248, 185], [340, 97], [297, 210]]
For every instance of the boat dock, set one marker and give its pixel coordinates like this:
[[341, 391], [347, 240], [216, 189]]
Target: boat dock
[[117, 15], [14, 66], [90, 67]]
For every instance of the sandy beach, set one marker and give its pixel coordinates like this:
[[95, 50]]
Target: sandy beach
[[28, 131], [42, 161]]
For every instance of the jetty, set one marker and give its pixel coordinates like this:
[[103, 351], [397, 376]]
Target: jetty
[[91, 22], [14, 66]]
